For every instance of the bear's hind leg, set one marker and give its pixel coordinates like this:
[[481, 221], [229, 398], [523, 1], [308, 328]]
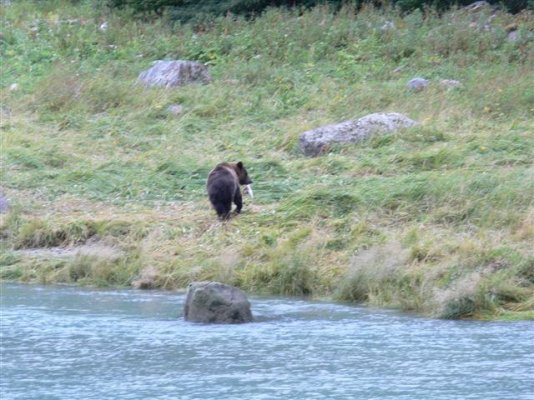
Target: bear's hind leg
[[238, 200], [223, 210]]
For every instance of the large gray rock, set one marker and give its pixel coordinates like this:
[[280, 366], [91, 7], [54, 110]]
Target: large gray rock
[[174, 73], [214, 302], [315, 141]]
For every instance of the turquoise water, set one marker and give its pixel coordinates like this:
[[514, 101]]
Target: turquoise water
[[72, 343]]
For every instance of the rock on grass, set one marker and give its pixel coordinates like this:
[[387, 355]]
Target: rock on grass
[[174, 73], [316, 141]]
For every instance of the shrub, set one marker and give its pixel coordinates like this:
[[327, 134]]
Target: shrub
[[60, 90], [101, 271], [186, 10], [292, 275], [40, 233], [377, 273]]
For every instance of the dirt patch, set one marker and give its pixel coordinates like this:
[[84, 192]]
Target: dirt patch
[[99, 250]]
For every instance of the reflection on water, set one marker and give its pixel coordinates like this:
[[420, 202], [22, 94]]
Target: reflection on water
[[72, 343]]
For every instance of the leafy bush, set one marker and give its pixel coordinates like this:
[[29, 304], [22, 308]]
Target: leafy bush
[[185, 10]]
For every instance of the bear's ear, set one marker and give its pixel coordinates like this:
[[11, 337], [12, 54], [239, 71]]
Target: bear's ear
[[240, 165]]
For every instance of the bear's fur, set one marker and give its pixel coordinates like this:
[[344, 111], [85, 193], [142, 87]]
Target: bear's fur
[[223, 187]]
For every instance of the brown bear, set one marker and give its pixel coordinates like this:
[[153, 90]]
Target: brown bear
[[223, 187]]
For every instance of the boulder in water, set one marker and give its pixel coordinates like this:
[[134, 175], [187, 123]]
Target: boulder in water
[[214, 302]]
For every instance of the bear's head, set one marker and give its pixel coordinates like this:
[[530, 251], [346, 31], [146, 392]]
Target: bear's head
[[242, 174]]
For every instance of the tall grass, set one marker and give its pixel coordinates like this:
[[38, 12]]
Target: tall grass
[[437, 219]]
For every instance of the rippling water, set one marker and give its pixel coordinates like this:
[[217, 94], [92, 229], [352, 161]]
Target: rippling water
[[72, 343]]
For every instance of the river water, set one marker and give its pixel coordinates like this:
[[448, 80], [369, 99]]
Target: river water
[[75, 343]]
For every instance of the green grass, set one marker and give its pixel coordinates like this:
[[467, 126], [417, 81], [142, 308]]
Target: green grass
[[438, 219]]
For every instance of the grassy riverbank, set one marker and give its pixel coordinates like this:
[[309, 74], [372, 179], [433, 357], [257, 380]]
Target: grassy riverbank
[[439, 219]]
